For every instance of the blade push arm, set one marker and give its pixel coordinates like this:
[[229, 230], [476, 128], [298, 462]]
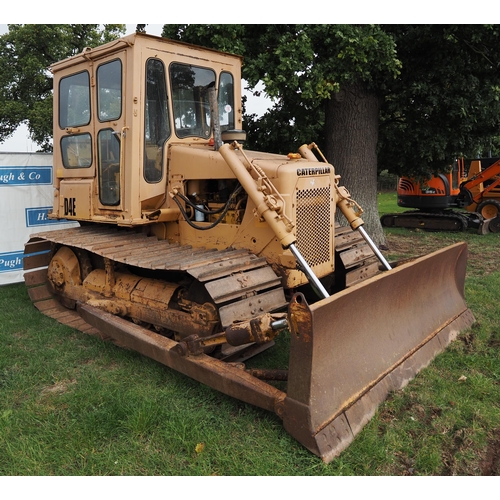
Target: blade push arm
[[269, 206]]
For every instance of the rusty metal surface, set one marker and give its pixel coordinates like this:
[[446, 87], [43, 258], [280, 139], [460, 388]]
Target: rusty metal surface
[[252, 307], [140, 250], [35, 278], [230, 275], [352, 256], [225, 377], [355, 260], [233, 286], [347, 352], [281, 375], [350, 350]]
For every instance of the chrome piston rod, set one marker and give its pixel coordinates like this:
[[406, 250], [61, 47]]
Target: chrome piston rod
[[372, 245], [304, 267], [313, 279]]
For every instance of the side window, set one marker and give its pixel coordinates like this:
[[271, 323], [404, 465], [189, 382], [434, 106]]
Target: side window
[[226, 101], [190, 99], [76, 151], [108, 152], [74, 100], [109, 91], [156, 126]]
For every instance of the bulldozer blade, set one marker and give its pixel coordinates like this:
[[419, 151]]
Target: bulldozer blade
[[350, 350]]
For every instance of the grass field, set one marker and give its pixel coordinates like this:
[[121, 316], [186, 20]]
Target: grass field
[[73, 405]]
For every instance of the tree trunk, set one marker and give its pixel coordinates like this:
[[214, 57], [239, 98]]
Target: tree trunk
[[352, 118]]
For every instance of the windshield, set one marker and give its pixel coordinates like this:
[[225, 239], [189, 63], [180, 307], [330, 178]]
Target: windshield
[[190, 99], [191, 105]]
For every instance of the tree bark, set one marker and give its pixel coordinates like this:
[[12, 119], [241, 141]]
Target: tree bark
[[352, 118]]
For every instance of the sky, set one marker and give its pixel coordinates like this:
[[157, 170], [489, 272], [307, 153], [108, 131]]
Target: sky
[[20, 142]]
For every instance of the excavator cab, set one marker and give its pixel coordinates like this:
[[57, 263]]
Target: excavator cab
[[199, 253]]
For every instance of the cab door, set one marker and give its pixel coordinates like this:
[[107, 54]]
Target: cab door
[[74, 150], [110, 127], [156, 129]]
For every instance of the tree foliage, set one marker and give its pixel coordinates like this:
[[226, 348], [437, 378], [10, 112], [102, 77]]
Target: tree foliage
[[445, 102], [301, 67], [438, 85], [26, 52]]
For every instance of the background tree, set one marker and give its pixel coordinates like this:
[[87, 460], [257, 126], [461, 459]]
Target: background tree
[[404, 98], [445, 102], [26, 52]]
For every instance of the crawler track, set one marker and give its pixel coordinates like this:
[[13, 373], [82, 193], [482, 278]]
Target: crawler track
[[235, 279], [447, 220]]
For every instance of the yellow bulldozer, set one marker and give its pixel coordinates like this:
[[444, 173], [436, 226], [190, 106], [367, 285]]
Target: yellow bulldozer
[[198, 253]]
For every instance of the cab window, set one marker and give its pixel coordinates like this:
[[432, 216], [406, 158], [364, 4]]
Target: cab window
[[226, 101], [108, 152], [157, 125], [191, 106], [76, 151], [74, 100], [109, 95]]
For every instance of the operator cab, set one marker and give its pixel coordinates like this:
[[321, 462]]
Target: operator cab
[[117, 110]]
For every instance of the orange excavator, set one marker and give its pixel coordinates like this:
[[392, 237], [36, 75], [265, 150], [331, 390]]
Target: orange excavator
[[452, 201]]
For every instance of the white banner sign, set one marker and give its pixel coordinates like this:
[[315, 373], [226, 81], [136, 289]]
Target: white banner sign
[[26, 196]]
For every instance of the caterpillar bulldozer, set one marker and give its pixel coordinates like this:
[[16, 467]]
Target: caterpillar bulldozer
[[198, 253], [451, 201]]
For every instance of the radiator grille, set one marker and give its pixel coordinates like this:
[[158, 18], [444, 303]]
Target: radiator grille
[[314, 225]]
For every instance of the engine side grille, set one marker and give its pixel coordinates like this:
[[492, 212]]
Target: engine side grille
[[314, 225]]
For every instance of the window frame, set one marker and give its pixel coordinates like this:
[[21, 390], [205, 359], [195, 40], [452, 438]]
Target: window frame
[[147, 125], [64, 150], [100, 169], [205, 131], [232, 123]]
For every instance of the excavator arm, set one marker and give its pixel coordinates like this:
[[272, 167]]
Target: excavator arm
[[492, 173]]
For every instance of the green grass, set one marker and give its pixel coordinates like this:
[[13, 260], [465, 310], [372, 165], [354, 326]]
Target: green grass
[[73, 405], [387, 203]]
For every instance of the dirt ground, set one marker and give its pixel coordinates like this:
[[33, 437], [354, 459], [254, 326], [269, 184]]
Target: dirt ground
[[483, 255]]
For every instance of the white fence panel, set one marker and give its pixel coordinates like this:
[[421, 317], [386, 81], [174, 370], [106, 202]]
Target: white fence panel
[[26, 196]]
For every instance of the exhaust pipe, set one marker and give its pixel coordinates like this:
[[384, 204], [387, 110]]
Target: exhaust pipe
[[214, 117]]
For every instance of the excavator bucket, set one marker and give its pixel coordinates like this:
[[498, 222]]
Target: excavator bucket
[[350, 350]]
